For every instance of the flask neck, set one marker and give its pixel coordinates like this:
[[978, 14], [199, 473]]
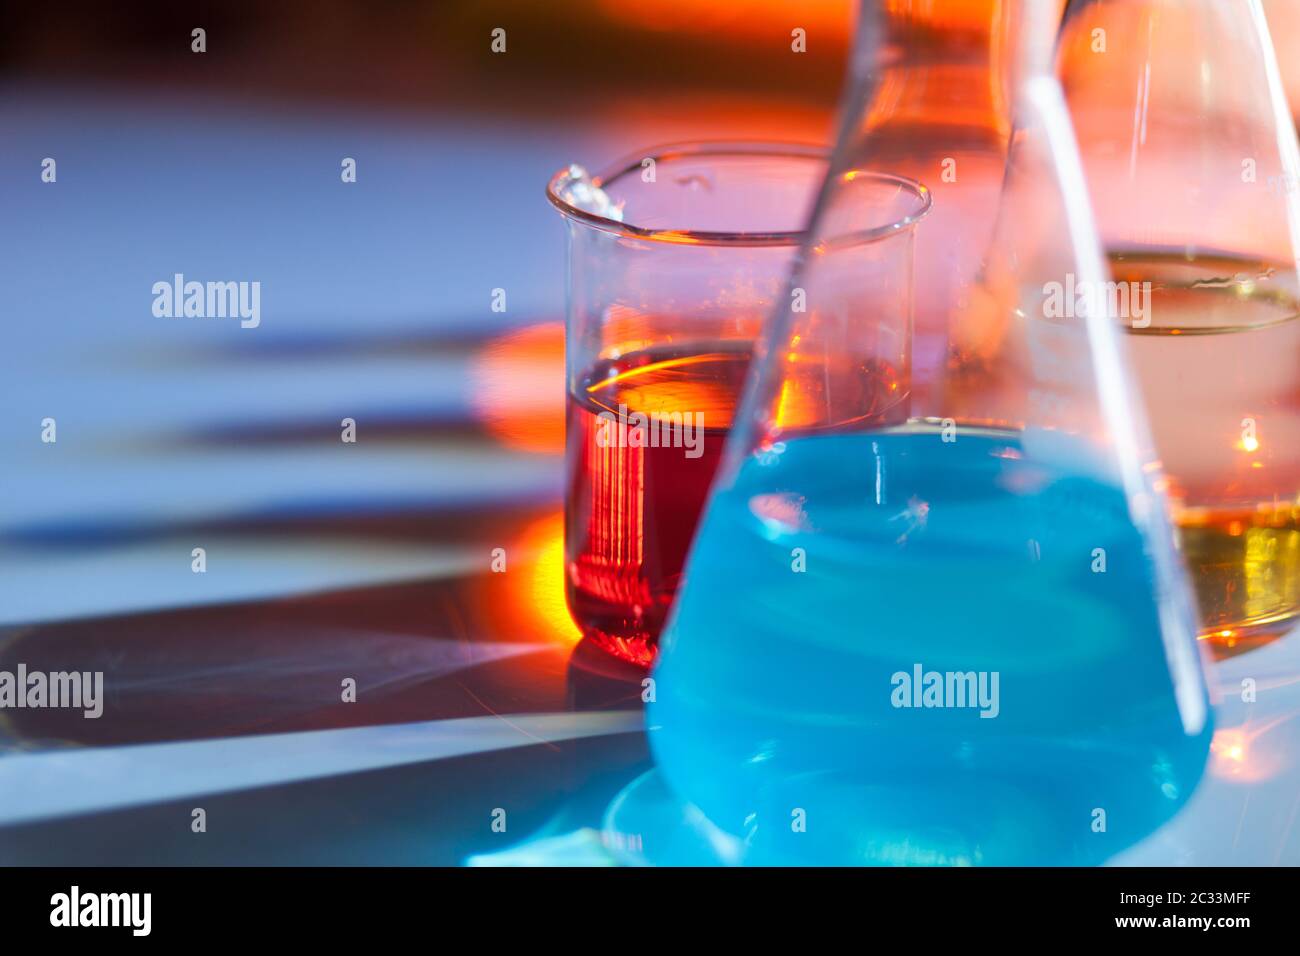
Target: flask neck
[[944, 72]]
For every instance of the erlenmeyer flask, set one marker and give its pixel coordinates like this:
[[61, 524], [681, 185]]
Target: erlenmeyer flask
[[1191, 156], [948, 636]]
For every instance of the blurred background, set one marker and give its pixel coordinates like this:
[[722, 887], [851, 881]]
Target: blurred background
[[328, 559], [376, 295]]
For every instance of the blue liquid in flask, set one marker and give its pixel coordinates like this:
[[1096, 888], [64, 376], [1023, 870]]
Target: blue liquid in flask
[[779, 693]]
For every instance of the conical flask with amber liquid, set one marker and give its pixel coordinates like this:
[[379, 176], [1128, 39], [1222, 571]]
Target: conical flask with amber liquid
[[934, 613], [1191, 158]]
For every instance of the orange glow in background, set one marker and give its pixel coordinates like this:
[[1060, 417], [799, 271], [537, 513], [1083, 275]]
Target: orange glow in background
[[518, 388], [542, 602], [751, 20]]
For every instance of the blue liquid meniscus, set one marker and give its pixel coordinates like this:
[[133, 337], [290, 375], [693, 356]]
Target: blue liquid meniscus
[[896, 649]]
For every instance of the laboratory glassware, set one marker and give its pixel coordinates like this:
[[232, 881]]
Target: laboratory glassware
[[1191, 157], [675, 257], [952, 629]]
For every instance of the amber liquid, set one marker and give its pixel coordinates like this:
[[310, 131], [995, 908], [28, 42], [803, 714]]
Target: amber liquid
[[631, 510], [1222, 351]]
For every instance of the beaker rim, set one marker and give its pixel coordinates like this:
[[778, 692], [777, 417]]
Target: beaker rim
[[555, 191]]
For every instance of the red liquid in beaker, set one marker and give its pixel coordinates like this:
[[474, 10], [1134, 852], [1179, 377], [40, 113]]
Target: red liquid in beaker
[[645, 436]]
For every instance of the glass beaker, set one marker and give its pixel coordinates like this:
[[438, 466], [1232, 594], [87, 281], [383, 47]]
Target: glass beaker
[[675, 257], [957, 633], [1191, 153]]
